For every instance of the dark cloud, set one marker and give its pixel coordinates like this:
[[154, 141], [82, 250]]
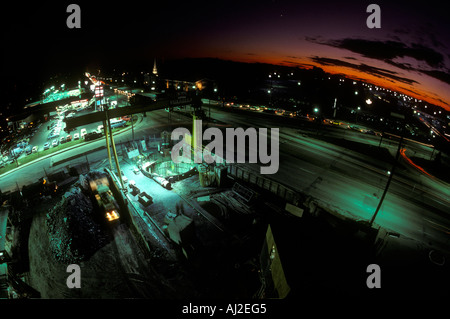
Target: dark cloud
[[388, 51], [378, 72]]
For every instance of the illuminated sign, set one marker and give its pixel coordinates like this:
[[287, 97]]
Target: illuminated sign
[[98, 91]]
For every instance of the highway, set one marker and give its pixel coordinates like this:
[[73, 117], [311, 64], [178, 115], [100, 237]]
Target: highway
[[351, 183], [345, 181]]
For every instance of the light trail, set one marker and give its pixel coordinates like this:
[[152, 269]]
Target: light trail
[[402, 152]]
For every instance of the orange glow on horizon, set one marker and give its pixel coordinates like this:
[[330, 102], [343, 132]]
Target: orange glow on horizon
[[349, 73]]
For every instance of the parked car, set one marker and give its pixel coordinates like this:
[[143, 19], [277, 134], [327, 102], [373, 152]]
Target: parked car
[[62, 140], [46, 146], [29, 149], [83, 132], [68, 138], [76, 136], [55, 142], [35, 149]]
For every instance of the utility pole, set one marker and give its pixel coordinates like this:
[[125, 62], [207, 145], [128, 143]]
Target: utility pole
[[116, 159], [388, 182], [132, 127], [106, 127], [334, 108], [392, 171]]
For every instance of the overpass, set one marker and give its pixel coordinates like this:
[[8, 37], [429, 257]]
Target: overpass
[[141, 106]]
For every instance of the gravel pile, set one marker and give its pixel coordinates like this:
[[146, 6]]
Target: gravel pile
[[74, 232]]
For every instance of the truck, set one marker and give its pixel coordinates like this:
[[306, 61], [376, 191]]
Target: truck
[[106, 202]]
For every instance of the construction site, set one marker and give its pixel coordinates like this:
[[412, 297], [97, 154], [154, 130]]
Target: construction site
[[140, 225]]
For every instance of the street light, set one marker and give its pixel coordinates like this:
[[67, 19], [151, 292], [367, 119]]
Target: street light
[[316, 110]]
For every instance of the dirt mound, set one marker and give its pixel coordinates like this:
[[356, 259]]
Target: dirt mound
[[74, 233]]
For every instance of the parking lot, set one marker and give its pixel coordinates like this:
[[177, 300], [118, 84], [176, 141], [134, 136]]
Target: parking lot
[[50, 134]]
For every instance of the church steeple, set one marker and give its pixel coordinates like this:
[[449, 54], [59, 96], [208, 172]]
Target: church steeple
[[155, 70]]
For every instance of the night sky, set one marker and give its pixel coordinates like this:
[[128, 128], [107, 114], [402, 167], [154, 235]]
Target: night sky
[[410, 53]]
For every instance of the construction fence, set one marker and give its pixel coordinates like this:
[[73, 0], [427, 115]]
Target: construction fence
[[291, 196]]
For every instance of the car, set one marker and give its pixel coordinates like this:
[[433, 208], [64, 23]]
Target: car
[[62, 140], [46, 146], [83, 132], [35, 149], [92, 136], [76, 136], [55, 143], [68, 138], [29, 149]]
